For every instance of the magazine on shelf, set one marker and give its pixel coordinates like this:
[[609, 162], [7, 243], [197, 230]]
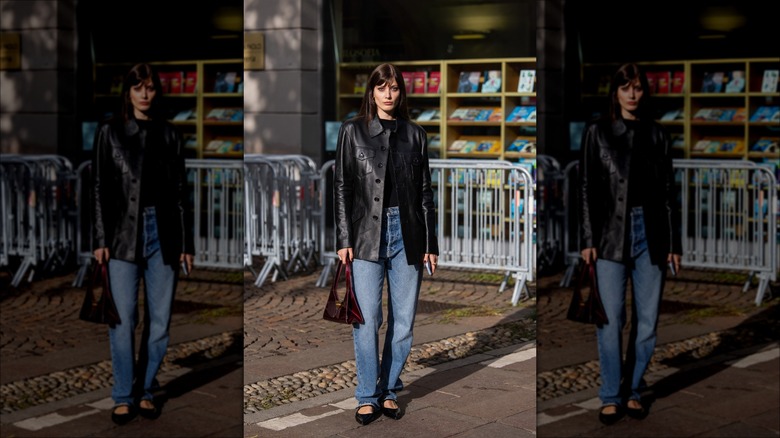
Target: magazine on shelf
[[496, 115], [523, 144], [652, 81], [766, 145], [427, 115], [526, 82], [483, 115], [672, 115], [469, 81], [420, 79], [408, 77], [735, 82], [434, 79], [663, 82], [226, 82], [522, 114], [361, 79], [678, 82], [713, 82], [184, 115], [766, 114], [190, 82], [492, 82], [769, 82]]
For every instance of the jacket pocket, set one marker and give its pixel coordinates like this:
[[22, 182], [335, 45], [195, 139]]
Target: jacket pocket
[[364, 160]]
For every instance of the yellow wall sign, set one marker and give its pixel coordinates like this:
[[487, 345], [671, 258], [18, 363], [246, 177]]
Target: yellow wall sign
[[254, 51], [10, 51]]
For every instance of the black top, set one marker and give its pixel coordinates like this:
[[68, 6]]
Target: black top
[[390, 198], [639, 167], [151, 173]]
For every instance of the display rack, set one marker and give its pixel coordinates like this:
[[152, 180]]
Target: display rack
[[443, 94], [204, 99], [712, 112]]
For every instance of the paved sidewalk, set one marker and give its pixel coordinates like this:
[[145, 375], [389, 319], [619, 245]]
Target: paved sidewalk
[[56, 370], [715, 371], [471, 371]]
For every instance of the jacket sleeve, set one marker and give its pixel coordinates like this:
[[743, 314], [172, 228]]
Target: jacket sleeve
[[428, 206], [101, 155], [343, 188], [670, 201], [184, 206], [588, 187]]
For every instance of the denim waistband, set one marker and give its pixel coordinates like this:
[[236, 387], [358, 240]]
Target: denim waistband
[[149, 211], [636, 211], [391, 211]]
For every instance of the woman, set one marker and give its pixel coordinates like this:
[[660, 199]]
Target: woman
[[630, 229], [385, 222], [142, 229]]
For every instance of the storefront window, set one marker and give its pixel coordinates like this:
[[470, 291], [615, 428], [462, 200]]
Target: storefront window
[[408, 30]]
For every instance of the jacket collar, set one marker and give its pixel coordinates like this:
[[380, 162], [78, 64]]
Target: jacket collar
[[618, 127], [375, 128]]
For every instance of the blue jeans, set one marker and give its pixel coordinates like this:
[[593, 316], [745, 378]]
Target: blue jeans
[[382, 381], [159, 284], [647, 283]]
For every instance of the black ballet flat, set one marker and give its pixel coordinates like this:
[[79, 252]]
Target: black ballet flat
[[610, 419], [394, 413], [365, 419], [151, 414], [638, 414], [122, 419]]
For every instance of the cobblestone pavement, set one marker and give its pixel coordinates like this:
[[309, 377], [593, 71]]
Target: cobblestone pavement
[[56, 368], [706, 324]]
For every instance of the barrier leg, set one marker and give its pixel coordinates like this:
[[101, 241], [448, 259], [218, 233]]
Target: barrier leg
[[520, 287], [568, 275], [749, 281], [763, 286], [19, 275], [504, 282], [322, 281]]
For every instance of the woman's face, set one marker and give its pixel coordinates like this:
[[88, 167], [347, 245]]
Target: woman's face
[[386, 98], [629, 96], [141, 97]]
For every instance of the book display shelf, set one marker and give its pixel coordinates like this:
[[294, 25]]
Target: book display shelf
[[204, 99], [720, 109], [483, 108]]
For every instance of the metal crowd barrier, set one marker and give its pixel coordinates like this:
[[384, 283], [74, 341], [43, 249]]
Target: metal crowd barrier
[[485, 218], [284, 211], [218, 220], [39, 213], [728, 219], [550, 232], [218, 223]]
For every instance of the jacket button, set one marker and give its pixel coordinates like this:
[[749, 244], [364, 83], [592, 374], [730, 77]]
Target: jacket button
[[383, 148], [132, 218], [376, 199], [620, 199], [619, 217], [622, 180], [134, 181], [132, 199], [379, 165], [376, 218], [378, 180]]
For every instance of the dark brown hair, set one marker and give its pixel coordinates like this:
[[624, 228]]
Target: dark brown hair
[[140, 73], [381, 75], [625, 74]]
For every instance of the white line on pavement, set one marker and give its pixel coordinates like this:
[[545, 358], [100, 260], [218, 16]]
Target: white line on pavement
[[295, 419], [49, 420], [347, 404], [509, 359], [756, 358], [543, 418]]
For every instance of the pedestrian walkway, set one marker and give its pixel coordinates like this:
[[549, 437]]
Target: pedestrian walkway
[[56, 373], [714, 373], [471, 371]]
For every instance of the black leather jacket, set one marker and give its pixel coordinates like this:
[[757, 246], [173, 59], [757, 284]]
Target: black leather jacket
[[604, 171], [362, 156], [117, 217]]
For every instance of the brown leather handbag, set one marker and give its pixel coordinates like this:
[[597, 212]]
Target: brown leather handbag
[[588, 310], [98, 305], [348, 310]]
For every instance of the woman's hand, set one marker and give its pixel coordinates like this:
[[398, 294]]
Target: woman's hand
[[101, 254], [434, 259], [674, 259], [345, 254], [589, 255], [187, 260]]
